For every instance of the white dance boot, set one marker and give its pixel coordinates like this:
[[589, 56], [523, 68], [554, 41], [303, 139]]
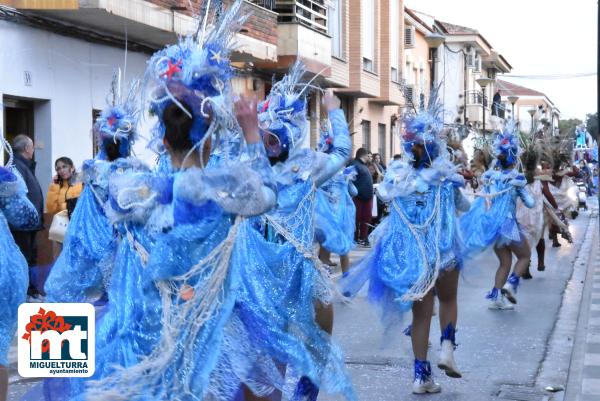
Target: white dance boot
[[424, 382], [497, 301], [446, 362]]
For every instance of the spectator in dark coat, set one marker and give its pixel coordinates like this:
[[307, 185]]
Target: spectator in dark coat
[[364, 199], [26, 240]]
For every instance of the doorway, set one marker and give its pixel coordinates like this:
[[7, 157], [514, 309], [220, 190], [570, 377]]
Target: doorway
[[18, 118]]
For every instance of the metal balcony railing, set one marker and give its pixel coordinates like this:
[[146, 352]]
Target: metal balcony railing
[[499, 110], [312, 13], [475, 97], [268, 4]]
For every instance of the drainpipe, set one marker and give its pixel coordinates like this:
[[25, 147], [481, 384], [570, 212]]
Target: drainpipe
[[464, 88]]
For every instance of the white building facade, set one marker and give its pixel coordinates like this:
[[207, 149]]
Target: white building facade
[[51, 85]]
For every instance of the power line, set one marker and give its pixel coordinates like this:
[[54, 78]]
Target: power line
[[554, 76]]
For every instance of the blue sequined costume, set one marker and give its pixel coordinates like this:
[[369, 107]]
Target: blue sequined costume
[[18, 212], [82, 270], [291, 231], [204, 226], [417, 241], [218, 333], [128, 328], [101, 253], [492, 220], [335, 214]]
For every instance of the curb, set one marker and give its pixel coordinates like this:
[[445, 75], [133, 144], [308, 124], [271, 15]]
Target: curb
[[557, 364]]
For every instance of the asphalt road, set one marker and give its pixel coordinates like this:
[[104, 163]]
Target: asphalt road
[[500, 353]]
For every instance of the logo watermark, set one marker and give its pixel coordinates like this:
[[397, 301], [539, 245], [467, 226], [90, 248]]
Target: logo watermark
[[56, 340]]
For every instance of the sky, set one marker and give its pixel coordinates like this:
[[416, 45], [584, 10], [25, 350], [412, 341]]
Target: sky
[[537, 37]]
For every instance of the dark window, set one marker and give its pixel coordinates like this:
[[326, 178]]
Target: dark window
[[366, 132], [381, 133]]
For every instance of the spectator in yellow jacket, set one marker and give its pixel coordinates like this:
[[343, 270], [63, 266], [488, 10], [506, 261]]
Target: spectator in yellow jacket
[[63, 192]]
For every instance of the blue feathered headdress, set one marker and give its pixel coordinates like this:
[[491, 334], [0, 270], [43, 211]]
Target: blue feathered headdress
[[424, 128], [282, 115], [507, 143], [195, 71], [118, 121]]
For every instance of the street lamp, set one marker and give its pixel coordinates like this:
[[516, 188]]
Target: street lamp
[[513, 100], [483, 82], [531, 113]]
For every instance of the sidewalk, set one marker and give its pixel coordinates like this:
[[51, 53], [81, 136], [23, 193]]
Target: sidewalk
[[584, 371]]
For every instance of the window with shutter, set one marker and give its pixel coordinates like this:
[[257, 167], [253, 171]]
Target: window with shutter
[[477, 65], [395, 77], [470, 60], [366, 132], [395, 36], [368, 34], [335, 28], [409, 36]]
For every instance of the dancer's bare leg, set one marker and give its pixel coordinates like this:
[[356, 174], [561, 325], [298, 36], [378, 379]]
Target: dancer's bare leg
[[421, 324], [505, 258], [324, 255], [324, 316], [345, 262], [447, 289], [523, 253]]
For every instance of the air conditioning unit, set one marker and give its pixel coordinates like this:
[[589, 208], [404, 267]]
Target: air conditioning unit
[[409, 93], [409, 36]]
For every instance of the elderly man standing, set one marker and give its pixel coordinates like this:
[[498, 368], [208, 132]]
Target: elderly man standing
[[364, 199], [26, 240]]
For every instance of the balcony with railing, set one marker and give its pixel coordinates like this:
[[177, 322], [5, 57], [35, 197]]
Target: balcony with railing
[[302, 34], [310, 13], [268, 4], [495, 113], [151, 24]]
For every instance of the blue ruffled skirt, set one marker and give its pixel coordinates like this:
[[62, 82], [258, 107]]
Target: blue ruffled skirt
[[129, 326], [335, 221], [396, 262], [481, 228]]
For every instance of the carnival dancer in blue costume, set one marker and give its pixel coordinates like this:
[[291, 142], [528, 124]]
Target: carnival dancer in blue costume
[[335, 211], [104, 239], [15, 211], [491, 221], [418, 248], [221, 329], [299, 172], [82, 271]]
